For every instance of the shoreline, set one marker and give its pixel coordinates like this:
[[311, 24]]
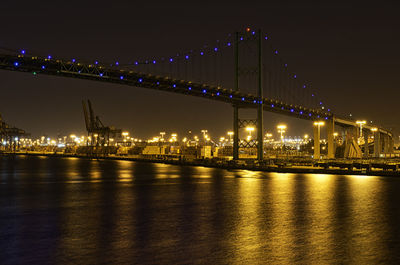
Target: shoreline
[[227, 166]]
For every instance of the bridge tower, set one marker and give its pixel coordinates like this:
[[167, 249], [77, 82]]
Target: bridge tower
[[245, 67]]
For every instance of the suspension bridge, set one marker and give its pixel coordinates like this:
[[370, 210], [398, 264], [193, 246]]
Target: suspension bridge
[[243, 70]]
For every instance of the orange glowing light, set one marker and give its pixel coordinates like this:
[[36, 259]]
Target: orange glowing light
[[248, 29]]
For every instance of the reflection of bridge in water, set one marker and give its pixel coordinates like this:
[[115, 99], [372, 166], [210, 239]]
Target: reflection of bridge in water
[[262, 82]]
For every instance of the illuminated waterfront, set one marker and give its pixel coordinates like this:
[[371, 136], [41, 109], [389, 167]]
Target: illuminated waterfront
[[68, 210]]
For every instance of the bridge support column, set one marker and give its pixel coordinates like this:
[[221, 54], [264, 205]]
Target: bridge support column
[[260, 138], [235, 106], [386, 145], [235, 132], [366, 145], [377, 143], [330, 130], [317, 146], [260, 127]]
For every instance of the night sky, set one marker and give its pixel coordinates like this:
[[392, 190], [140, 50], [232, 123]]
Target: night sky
[[350, 52]]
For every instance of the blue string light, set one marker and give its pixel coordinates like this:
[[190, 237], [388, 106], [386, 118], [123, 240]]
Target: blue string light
[[16, 64], [242, 99], [201, 53], [217, 93], [187, 57], [230, 96], [215, 49], [173, 85], [189, 88], [73, 60], [116, 63], [229, 44], [204, 91], [49, 57], [43, 67], [101, 74], [171, 60], [272, 105], [140, 80], [121, 77], [291, 110], [154, 62], [23, 51]]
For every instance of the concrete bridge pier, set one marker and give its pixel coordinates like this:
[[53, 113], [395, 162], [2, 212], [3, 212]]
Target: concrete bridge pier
[[317, 151], [387, 144], [377, 143], [330, 130], [317, 137], [352, 149], [366, 146]]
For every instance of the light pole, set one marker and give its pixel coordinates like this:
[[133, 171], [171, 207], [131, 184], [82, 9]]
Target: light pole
[[249, 129], [281, 130], [361, 123], [230, 133], [162, 136]]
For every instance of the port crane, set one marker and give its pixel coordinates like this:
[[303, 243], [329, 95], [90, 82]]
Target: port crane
[[98, 133]]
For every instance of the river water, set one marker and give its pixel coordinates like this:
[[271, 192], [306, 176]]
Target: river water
[[77, 211]]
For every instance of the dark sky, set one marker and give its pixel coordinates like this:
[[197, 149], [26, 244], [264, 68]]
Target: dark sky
[[350, 52]]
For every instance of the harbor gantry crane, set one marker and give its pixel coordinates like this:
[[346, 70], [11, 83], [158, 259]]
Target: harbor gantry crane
[[10, 136], [98, 133]]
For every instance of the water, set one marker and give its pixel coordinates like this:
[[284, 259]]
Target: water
[[72, 211]]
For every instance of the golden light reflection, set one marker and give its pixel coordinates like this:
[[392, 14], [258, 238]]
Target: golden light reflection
[[247, 229], [321, 194], [367, 217], [124, 171], [95, 171], [280, 238]]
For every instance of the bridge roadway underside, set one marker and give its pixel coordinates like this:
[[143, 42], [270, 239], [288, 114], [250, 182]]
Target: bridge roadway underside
[[131, 78], [117, 75]]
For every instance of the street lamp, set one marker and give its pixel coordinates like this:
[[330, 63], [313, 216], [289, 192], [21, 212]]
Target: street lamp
[[230, 133], [249, 129], [268, 136], [361, 123], [162, 136], [281, 130]]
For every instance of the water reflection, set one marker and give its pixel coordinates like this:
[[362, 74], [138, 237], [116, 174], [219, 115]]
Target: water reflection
[[67, 211]]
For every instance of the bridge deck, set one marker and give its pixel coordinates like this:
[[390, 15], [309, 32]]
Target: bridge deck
[[126, 77]]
